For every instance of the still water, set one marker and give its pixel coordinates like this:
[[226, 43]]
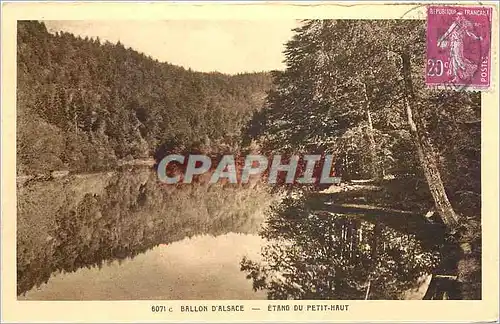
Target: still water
[[122, 235], [201, 267]]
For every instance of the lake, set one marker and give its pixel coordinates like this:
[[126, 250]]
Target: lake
[[122, 235], [82, 223], [201, 267]]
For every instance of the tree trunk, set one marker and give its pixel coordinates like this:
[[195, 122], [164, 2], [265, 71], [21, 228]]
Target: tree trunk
[[377, 234], [375, 165], [425, 153], [368, 289]]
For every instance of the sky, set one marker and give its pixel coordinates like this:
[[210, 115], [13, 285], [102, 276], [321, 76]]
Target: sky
[[227, 46], [201, 267]]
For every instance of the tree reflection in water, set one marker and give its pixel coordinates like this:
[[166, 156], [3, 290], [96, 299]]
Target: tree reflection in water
[[93, 219], [315, 255]]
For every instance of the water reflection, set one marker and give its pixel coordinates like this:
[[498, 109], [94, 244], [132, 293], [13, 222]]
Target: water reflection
[[87, 221], [201, 267], [316, 255], [90, 237]]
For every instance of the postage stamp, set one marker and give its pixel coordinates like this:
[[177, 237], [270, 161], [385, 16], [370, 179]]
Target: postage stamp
[[459, 47]]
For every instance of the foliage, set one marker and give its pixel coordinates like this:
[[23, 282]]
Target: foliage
[[337, 72], [355, 88], [90, 103]]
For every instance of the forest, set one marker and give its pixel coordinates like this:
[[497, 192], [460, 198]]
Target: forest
[[86, 104], [355, 89], [409, 156]]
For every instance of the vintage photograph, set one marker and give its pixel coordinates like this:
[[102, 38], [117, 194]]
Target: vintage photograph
[[299, 159]]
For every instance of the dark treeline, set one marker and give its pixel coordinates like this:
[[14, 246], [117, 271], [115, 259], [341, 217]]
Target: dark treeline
[[84, 104]]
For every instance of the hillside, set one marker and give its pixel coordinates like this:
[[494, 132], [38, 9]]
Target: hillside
[[90, 219], [84, 104]]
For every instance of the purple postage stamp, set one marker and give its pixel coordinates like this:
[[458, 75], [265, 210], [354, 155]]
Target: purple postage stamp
[[459, 47]]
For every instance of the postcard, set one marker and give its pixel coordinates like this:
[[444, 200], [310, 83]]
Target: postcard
[[249, 161]]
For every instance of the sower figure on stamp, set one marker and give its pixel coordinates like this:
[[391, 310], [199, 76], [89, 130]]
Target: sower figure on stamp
[[454, 38]]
